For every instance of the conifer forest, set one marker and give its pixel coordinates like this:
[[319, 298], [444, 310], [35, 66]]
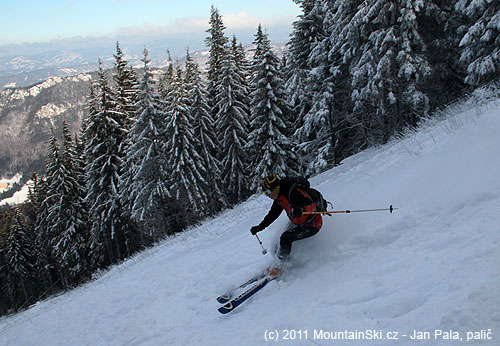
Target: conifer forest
[[158, 154]]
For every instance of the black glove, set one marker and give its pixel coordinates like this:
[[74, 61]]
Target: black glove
[[255, 229], [297, 212]]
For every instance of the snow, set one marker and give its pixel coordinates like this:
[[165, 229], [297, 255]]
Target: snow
[[51, 110], [10, 181], [18, 197], [430, 267], [35, 90]]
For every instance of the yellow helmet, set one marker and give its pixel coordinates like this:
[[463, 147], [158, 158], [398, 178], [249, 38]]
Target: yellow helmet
[[270, 183]]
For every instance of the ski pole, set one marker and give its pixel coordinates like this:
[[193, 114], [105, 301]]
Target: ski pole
[[264, 251], [391, 208]]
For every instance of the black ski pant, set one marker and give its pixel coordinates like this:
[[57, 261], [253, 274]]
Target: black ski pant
[[296, 233]]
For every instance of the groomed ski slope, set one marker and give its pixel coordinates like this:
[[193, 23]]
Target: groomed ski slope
[[431, 265]]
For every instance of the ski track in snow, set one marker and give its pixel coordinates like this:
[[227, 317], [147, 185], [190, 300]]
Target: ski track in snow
[[432, 264]]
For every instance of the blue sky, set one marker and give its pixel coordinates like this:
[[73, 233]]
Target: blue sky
[[41, 21]]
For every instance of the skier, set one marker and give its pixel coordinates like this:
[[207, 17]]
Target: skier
[[295, 196]]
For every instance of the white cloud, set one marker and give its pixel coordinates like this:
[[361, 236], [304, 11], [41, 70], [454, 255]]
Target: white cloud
[[233, 21], [185, 25], [242, 20]]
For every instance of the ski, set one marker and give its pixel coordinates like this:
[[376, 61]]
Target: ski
[[224, 298], [232, 304]]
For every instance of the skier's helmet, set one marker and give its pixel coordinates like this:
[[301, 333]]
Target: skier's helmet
[[270, 183]]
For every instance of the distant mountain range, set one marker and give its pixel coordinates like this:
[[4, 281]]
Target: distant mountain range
[[22, 71], [27, 70], [26, 64]]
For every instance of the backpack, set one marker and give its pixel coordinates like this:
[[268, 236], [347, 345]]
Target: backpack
[[317, 197], [314, 195]]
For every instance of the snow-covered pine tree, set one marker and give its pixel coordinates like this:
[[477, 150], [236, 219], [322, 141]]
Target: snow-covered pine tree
[[319, 133], [374, 85], [244, 67], [204, 130], [67, 218], [79, 159], [5, 300], [260, 44], [126, 91], [216, 41], [330, 80], [377, 48], [481, 42], [306, 87], [242, 63], [390, 68], [273, 151], [103, 137], [307, 32], [232, 103], [32, 204], [30, 210], [19, 259], [91, 109], [187, 181], [45, 262], [5, 292], [166, 78], [126, 86], [42, 252], [143, 185], [439, 27], [315, 130], [413, 69]]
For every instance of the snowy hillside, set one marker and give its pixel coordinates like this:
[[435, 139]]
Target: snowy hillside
[[430, 267]]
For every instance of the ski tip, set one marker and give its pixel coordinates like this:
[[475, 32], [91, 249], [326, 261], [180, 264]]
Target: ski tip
[[226, 308], [224, 311], [223, 299]]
